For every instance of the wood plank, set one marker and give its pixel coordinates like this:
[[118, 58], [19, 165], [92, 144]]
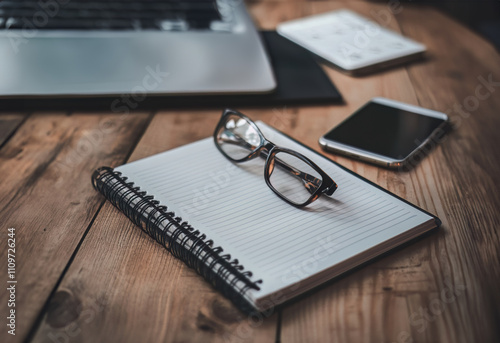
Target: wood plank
[[46, 196], [8, 124], [121, 283], [470, 165], [132, 288], [431, 290]]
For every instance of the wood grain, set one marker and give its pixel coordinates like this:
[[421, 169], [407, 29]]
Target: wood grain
[[137, 283], [8, 124], [45, 194], [120, 286], [433, 290], [469, 169]]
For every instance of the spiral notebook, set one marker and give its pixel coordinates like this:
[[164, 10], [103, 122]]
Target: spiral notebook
[[222, 220]]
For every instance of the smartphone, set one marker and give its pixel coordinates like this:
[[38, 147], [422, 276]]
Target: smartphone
[[386, 132]]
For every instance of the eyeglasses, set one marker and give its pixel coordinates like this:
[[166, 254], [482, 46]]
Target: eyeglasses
[[292, 176]]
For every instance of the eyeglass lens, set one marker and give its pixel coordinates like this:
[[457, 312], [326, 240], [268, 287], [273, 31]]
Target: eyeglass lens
[[293, 178], [237, 137]]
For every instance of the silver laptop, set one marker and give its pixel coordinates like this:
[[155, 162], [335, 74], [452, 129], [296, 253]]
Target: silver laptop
[[113, 47]]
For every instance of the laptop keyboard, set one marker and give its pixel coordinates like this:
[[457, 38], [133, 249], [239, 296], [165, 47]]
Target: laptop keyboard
[[169, 15]]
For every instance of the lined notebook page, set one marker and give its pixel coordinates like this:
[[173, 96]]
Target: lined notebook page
[[279, 243]]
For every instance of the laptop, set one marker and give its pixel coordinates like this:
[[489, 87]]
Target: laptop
[[66, 48]]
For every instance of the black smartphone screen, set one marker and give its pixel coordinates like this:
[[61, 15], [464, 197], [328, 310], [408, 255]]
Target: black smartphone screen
[[384, 130]]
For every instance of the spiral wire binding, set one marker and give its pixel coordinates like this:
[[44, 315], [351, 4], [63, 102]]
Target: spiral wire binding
[[178, 237]]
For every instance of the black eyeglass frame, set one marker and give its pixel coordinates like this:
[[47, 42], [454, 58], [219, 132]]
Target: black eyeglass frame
[[327, 187]]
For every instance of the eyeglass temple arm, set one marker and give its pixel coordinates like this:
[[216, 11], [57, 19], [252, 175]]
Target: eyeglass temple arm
[[310, 182]]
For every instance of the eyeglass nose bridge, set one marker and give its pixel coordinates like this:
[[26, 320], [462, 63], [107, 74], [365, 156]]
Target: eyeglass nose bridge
[[269, 146], [266, 149], [263, 151]]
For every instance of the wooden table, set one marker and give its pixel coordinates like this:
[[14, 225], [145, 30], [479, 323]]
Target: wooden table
[[86, 274]]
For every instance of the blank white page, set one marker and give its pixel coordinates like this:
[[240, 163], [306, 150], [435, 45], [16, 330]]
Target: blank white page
[[280, 244]]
